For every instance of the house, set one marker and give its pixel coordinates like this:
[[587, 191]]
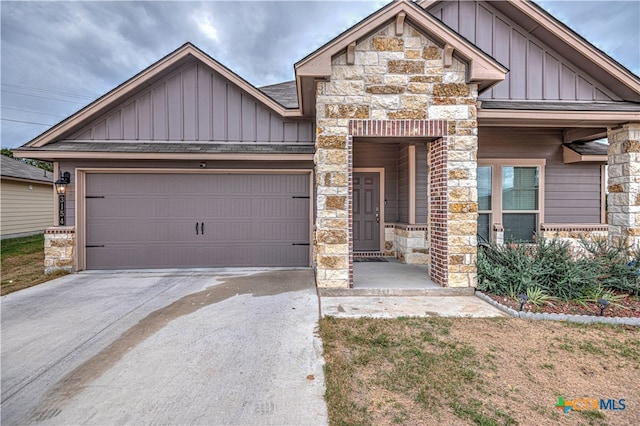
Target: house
[[407, 135], [26, 204]]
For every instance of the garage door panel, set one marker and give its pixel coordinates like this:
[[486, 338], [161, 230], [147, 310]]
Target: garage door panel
[[148, 220]]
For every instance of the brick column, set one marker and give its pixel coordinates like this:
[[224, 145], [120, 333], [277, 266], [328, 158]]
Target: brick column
[[438, 209], [624, 183]]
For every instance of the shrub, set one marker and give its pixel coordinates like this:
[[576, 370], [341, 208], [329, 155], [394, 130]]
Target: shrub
[[548, 267]]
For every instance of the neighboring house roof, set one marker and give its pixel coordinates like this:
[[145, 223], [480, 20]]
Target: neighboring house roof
[[16, 169], [285, 93]]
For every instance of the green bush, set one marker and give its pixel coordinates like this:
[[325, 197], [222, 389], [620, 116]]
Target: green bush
[[549, 267]]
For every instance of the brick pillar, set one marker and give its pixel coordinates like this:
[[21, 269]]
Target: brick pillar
[[438, 207], [624, 183], [59, 249]]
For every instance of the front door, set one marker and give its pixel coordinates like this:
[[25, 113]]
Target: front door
[[366, 211]]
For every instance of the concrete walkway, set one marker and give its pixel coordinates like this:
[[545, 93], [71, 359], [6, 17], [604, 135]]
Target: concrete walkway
[[181, 347], [407, 306]]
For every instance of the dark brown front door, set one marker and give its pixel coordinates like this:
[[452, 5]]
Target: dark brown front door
[[366, 211], [153, 220]]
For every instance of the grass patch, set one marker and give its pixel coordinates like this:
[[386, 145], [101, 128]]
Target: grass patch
[[474, 371], [22, 261]]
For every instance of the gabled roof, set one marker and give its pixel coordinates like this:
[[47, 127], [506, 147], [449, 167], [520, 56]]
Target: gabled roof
[[483, 69], [183, 54], [16, 169], [568, 43]]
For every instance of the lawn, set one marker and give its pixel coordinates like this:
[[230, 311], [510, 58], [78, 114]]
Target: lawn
[[432, 371], [22, 261]]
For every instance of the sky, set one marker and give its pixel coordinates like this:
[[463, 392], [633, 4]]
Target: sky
[[58, 56]]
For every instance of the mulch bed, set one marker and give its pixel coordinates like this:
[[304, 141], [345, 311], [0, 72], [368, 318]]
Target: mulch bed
[[628, 307]]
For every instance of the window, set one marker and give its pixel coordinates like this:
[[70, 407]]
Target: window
[[484, 203], [509, 194]]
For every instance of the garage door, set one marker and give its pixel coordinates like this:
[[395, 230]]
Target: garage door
[[136, 221]]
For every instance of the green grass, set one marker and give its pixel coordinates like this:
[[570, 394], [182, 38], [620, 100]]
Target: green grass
[[22, 261], [21, 246]]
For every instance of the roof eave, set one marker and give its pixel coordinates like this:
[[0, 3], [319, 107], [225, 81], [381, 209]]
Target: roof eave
[[92, 155], [538, 118]]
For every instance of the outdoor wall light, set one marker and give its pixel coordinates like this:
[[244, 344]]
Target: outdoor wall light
[[523, 298], [61, 189], [602, 304]]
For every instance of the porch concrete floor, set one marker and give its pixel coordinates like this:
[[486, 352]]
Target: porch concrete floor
[[393, 289], [391, 275]]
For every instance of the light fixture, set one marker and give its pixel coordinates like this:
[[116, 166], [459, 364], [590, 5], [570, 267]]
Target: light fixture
[[61, 189], [523, 298], [602, 304]]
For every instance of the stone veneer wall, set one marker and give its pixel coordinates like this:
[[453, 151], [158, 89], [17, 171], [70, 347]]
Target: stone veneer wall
[[398, 87], [59, 249], [624, 183], [574, 233]]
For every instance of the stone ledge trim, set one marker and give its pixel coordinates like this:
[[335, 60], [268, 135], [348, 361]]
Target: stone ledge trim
[[407, 227], [61, 230], [573, 227], [402, 128]]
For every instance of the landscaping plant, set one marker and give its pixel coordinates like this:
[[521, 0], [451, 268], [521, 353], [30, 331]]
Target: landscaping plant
[[548, 269]]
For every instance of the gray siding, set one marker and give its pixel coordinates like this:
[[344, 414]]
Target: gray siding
[[537, 72], [195, 104], [422, 179], [381, 155], [572, 191], [70, 166]]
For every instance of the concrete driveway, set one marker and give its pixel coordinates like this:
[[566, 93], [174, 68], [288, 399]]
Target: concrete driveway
[[186, 347]]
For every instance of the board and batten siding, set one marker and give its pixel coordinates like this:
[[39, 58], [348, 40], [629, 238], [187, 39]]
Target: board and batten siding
[[26, 208], [572, 191], [71, 165], [536, 71], [195, 103]]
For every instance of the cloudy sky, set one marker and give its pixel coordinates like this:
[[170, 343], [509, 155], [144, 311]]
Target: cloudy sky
[[57, 56]]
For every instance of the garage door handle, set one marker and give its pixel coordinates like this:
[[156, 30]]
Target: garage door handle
[[197, 228], [202, 228]]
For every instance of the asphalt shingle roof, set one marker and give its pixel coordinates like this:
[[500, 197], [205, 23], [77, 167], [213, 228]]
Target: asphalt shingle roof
[[589, 148], [286, 93], [169, 147], [10, 167]]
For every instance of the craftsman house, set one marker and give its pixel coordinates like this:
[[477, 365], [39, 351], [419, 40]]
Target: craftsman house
[[419, 130]]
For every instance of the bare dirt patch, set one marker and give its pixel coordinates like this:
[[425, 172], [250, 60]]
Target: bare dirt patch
[[478, 371]]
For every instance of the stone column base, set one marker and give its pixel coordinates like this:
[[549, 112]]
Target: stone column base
[[411, 245], [59, 249]]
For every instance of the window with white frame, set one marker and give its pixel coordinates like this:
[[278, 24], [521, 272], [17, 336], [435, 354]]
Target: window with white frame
[[510, 195]]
